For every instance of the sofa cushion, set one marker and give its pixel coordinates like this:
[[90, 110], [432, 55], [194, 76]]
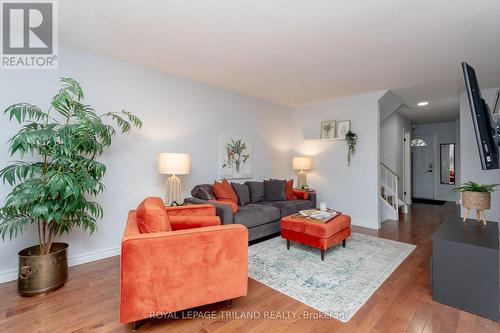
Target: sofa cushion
[[289, 207], [224, 191], [289, 190], [256, 191], [152, 216], [234, 206], [243, 193], [274, 190], [252, 215], [301, 194], [203, 192]]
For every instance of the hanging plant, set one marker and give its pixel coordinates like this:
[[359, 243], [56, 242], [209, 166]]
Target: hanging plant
[[352, 140]]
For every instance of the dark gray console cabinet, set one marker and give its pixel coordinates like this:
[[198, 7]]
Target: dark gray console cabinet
[[465, 266]]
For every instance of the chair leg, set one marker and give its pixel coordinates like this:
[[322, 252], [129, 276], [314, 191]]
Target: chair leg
[[135, 325], [344, 242], [229, 303], [288, 244], [322, 255]]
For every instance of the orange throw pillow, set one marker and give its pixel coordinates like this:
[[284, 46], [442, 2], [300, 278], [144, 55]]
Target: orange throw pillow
[[152, 216], [224, 191], [301, 194], [234, 206], [289, 190]]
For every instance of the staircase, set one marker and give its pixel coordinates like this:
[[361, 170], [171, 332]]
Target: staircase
[[391, 204]]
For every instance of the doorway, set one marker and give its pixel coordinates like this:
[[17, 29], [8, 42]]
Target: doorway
[[406, 166], [422, 166]]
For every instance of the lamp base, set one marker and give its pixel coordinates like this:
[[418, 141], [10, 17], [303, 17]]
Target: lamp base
[[301, 179], [173, 193]]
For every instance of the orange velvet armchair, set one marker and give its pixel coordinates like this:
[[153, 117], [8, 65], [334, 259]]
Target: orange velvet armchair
[[198, 262]]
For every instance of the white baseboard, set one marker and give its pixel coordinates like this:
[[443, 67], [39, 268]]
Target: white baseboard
[[93, 256], [8, 275], [11, 274], [365, 223]]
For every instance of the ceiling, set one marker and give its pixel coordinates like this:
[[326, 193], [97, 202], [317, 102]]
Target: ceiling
[[293, 52]]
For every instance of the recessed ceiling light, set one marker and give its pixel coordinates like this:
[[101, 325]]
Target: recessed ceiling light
[[424, 103]]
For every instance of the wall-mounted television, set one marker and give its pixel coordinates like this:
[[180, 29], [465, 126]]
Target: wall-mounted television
[[487, 131]]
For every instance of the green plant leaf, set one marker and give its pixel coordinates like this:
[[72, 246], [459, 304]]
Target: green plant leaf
[[471, 186], [57, 184], [24, 112]]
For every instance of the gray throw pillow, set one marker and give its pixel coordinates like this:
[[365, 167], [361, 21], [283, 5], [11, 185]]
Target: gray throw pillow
[[256, 191], [243, 193], [203, 192], [274, 190]]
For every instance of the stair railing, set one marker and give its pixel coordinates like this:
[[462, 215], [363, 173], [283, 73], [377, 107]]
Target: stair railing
[[390, 185]]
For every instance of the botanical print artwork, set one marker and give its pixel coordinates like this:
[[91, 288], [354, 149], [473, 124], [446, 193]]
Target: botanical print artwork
[[235, 160], [328, 129], [343, 127]]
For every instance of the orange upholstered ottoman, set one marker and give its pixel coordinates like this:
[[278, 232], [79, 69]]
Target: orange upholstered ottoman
[[316, 234]]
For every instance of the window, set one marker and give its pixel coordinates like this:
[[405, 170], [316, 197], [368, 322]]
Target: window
[[418, 143]]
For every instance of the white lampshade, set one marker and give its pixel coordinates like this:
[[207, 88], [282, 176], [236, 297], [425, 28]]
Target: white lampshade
[[302, 163], [174, 163]]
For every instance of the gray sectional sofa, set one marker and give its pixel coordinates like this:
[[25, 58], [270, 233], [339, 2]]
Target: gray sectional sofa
[[260, 216]]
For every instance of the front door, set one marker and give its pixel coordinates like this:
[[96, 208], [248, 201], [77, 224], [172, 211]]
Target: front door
[[422, 166]]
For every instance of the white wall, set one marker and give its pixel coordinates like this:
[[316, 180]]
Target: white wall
[[179, 115], [388, 103], [470, 162], [445, 132], [354, 189], [392, 144]]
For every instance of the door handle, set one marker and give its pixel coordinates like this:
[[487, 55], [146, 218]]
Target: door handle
[[429, 170]]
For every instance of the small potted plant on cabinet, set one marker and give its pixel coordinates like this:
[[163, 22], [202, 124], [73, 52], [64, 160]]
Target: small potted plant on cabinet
[[476, 196]]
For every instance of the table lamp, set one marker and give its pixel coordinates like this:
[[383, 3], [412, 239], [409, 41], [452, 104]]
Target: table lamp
[[302, 163], [173, 164]]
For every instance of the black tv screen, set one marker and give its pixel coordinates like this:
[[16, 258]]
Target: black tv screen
[[483, 124]]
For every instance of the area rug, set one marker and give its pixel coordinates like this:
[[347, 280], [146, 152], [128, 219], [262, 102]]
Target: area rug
[[338, 286]]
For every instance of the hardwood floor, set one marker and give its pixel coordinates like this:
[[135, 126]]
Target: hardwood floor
[[89, 301]]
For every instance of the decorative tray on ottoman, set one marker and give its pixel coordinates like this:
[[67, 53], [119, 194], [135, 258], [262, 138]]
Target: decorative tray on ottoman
[[316, 215]]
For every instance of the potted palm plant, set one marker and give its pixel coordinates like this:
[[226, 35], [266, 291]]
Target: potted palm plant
[[476, 196], [56, 180]]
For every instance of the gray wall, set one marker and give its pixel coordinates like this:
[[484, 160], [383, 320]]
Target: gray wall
[[443, 133], [470, 162]]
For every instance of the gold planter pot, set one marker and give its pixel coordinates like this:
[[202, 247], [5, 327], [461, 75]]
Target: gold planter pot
[[41, 273]]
